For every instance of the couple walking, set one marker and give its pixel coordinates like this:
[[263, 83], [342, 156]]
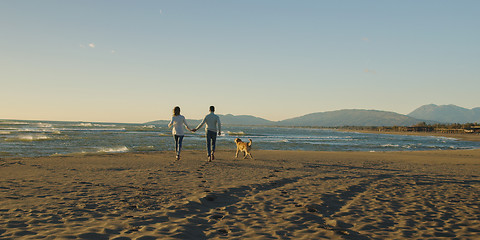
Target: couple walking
[[213, 126]]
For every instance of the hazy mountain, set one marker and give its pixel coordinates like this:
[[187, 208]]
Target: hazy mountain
[[352, 117], [447, 113], [159, 122], [191, 122], [244, 120]]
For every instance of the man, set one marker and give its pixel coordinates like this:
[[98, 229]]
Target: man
[[213, 125]]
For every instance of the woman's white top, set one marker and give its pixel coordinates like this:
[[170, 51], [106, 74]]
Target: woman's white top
[[177, 123]]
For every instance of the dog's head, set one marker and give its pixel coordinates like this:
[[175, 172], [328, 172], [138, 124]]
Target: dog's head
[[237, 140]]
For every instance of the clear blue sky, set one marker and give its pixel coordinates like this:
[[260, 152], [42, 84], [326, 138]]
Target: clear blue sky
[[133, 61]]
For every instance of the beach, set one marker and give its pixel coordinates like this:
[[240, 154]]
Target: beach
[[278, 195]]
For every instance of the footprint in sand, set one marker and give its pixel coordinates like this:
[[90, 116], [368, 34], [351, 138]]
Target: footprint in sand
[[24, 233], [216, 216], [93, 236], [223, 232], [16, 224]]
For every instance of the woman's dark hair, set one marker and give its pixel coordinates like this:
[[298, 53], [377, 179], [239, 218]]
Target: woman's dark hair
[[176, 111]]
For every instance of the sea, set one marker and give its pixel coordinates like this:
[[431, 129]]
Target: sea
[[46, 138]]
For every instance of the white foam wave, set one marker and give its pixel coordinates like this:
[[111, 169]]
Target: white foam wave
[[119, 149], [43, 125], [35, 129], [4, 133], [443, 139], [29, 138], [91, 129], [240, 133], [83, 125], [87, 124], [144, 148], [104, 125], [390, 145], [9, 128]]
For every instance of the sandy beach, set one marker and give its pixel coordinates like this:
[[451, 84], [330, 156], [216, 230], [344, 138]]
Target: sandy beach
[[279, 195]]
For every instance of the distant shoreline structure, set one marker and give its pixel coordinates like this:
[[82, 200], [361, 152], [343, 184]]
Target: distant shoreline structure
[[465, 134], [468, 128]]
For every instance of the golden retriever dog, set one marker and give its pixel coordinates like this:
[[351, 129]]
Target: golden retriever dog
[[243, 147]]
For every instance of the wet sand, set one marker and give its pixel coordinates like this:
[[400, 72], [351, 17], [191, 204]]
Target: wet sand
[[279, 195]]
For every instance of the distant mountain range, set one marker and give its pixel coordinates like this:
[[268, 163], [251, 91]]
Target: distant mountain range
[[352, 117], [358, 117], [447, 113]]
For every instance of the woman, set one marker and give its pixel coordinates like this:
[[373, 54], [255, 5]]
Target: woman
[[177, 131]]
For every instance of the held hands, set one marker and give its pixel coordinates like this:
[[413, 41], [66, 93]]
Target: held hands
[[193, 130]]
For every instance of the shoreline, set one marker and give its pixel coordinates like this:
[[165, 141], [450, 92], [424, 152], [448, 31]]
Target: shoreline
[[461, 137], [464, 137], [278, 195]]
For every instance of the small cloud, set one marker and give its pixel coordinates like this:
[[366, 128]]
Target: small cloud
[[370, 71], [365, 39], [91, 45], [113, 52], [161, 11]]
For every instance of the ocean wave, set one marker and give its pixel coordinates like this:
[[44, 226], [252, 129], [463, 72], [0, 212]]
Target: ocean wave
[[144, 148], [87, 124], [4, 133], [42, 125], [29, 138], [276, 141], [240, 133], [8, 129], [390, 145], [39, 130], [440, 138], [90, 129], [104, 125], [83, 125], [118, 149], [463, 148], [144, 128]]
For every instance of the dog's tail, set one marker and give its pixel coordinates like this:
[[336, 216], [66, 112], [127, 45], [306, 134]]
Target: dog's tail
[[250, 143]]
